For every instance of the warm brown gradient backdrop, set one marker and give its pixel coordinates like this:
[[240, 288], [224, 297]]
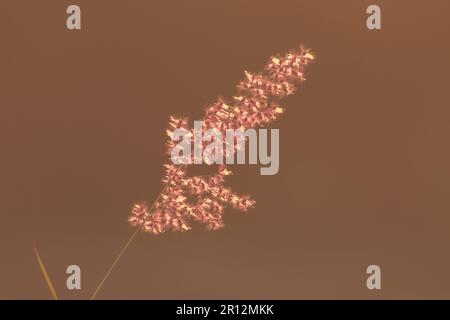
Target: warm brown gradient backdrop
[[365, 164]]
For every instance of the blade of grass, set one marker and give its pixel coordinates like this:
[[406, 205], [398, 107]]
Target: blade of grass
[[45, 274]]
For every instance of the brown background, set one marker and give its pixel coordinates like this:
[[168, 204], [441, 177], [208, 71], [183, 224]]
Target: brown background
[[364, 175]]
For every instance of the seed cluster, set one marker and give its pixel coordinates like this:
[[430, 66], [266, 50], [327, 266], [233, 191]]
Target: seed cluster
[[204, 198]]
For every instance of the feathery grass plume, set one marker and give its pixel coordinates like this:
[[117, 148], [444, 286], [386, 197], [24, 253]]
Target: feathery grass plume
[[203, 198]]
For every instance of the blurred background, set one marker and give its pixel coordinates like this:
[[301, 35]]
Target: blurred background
[[364, 160]]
